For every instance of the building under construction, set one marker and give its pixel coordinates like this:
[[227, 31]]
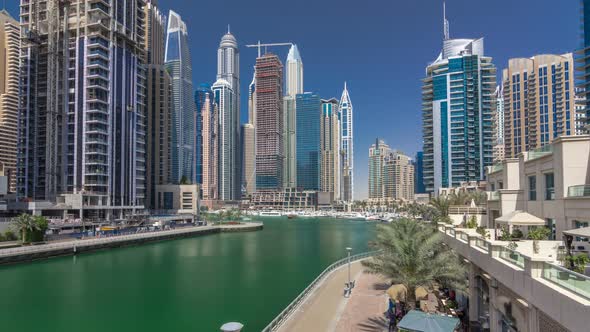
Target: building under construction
[[269, 122], [82, 121]]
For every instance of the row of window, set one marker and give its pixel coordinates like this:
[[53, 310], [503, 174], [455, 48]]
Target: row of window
[[549, 187]]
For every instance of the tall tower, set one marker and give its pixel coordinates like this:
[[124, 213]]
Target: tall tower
[[249, 142], [158, 105], [347, 146], [583, 79], [539, 101], [330, 142], [82, 119], [499, 150], [458, 109], [309, 113], [378, 154], [269, 123], [228, 99], [178, 64], [293, 87], [209, 139], [9, 94]]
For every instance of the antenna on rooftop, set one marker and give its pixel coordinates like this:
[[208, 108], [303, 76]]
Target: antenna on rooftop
[[445, 21]]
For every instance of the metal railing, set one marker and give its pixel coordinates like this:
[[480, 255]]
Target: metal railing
[[582, 190], [284, 315], [458, 209]]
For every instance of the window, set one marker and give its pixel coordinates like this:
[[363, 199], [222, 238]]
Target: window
[[492, 187], [500, 185], [580, 224], [532, 188], [550, 223], [549, 187]]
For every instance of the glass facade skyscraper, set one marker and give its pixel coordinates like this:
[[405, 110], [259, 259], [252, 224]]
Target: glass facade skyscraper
[[347, 146], [308, 116], [458, 110], [583, 63], [178, 64]]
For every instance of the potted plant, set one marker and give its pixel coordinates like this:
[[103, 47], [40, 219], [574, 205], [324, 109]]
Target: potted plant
[[579, 262], [505, 234], [512, 246], [538, 234], [472, 222], [517, 234], [483, 232]]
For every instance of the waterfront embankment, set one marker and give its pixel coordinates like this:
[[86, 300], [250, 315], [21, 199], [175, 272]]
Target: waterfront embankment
[[43, 251]]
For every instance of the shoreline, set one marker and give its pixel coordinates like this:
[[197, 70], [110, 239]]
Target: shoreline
[[46, 251]]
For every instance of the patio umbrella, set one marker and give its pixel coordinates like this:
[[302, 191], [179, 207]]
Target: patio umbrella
[[418, 321]]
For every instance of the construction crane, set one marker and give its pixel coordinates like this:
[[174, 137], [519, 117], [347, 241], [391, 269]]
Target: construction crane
[[260, 45]]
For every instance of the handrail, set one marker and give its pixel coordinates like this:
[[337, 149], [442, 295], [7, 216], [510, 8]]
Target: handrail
[[282, 317]]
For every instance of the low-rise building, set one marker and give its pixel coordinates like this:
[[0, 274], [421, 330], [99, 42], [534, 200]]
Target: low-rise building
[[178, 198], [287, 199]]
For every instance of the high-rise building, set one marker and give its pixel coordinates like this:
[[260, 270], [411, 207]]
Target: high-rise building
[[398, 173], [378, 153], [269, 122], [581, 116], [499, 126], [457, 111], [309, 111], [583, 62], [229, 180], [178, 63], [539, 101], [330, 142], [249, 142], [228, 70], [158, 105], [9, 93], [209, 148], [293, 87], [98, 158], [419, 173], [347, 146]]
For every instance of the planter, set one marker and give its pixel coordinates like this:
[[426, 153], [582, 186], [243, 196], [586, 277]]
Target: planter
[[513, 256], [563, 275], [579, 278]]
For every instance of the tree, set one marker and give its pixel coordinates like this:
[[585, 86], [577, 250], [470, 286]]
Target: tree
[[441, 203], [413, 254], [25, 225], [184, 180]]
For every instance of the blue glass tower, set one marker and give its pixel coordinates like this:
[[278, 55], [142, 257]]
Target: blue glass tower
[[308, 115], [583, 64], [178, 64], [419, 174]]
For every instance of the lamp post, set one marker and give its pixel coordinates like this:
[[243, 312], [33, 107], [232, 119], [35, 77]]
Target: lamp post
[[349, 249]]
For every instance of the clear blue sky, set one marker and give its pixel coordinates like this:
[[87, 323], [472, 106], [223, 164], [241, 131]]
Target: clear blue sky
[[380, 47]]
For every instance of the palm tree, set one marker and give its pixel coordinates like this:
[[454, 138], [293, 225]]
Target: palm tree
[[24, 224], [479, 197], [441, 204], [413, 254]]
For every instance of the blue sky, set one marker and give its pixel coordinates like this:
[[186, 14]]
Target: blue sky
[[380, 47]]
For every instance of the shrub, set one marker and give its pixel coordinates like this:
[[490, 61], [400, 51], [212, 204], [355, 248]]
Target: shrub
[[472, 222], [517, 234], [10, 236]]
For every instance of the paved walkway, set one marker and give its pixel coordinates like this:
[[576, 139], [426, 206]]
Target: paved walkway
[[327, 310]]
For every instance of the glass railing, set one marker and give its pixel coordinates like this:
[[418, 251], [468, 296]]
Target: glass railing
[[464, 237], [513, 257], [572, 281], [451, 232], [496, 168], [582, 190], [540, 152], [493, 196], [481, 244]]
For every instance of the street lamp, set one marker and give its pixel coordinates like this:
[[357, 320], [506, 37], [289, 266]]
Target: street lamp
[[349, 249]]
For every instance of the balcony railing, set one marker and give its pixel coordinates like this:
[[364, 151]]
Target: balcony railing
[[582, 190], [513, 257], [496, 168], [481, 244], [575, 282], [540, 152], [493, 196]]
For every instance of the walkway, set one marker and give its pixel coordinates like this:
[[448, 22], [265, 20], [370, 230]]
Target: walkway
[[327, 310]]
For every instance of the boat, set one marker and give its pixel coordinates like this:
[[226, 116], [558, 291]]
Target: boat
[[270, 214]]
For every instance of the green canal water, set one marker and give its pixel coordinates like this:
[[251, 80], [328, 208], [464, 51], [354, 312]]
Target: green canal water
[[193, 284]]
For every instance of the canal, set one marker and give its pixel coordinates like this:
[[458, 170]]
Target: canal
[[193, 284]]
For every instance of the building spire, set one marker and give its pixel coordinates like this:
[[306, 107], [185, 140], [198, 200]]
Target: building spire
[[445, 22], [345, 85], [228, 30]]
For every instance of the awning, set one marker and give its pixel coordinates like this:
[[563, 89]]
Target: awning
[[424, 322], [581, 232], [520, 218]]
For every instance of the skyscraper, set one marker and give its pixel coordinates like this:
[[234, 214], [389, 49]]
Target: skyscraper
[[419, 174], [330, 142], [158, 105], [209, 148], [583, 62], [269, 122], [9, 94], [378, 153], [539, 101], [398, 173], [347, 146], [178, 64], [308, 112], [229, 180], [457, 110], [98, 157], [499, 150], [249, 142], [293, 86]]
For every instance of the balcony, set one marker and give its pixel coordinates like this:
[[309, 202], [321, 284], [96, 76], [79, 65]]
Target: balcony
[[582, 190], [493, 195], [540, 152]]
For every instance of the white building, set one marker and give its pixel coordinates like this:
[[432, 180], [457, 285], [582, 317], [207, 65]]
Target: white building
[[346, 146]]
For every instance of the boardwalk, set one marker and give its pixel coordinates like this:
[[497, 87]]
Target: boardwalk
[[327, 310]]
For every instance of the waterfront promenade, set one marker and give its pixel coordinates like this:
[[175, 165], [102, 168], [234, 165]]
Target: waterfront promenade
[[327, 310], [39, 251]]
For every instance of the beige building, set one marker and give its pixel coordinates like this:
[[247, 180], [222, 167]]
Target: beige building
[[399, 177], [178, 198], [159, 125], [210, 133], [9, 85], [539, 101], [330, 148]]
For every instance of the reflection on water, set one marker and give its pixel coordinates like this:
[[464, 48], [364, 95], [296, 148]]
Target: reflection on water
[[192, 284]]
